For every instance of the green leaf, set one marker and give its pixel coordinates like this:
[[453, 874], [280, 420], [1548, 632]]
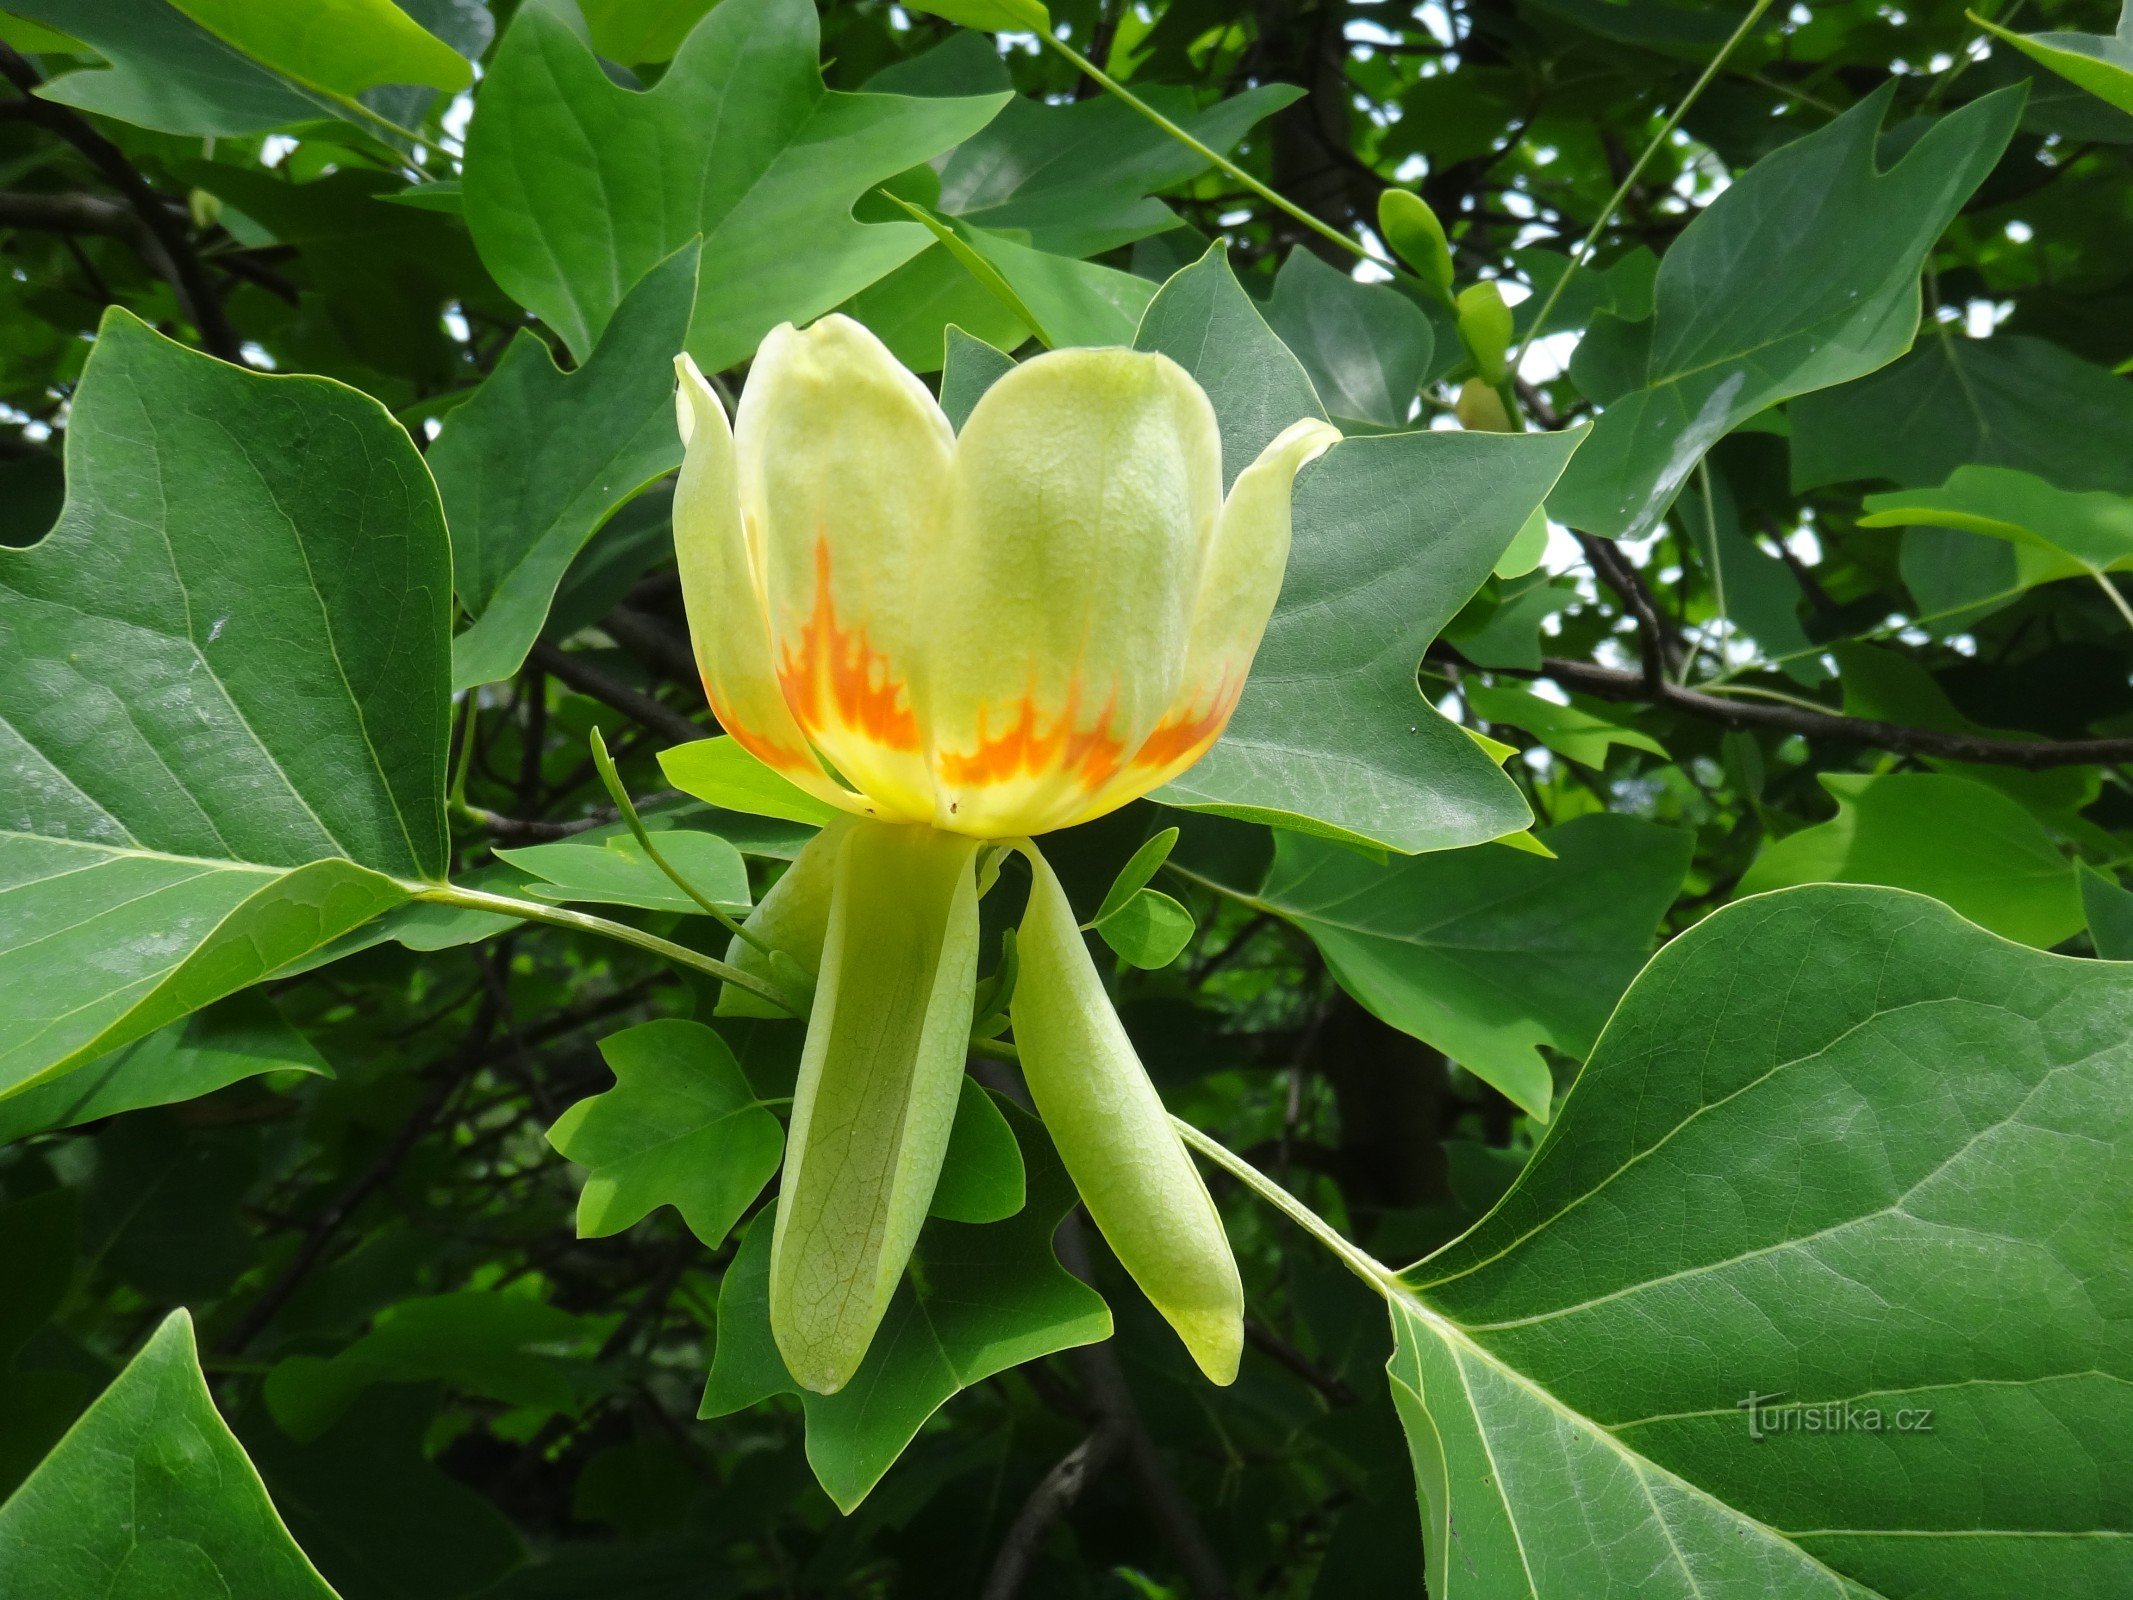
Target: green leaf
[[1203, 320], [1889, 686], [1489, 954], [2006, 401], [1964, 844], [2099, 63], [1076, 178], [617, 872], [721, 772], [1072, 302], [1365, 347], [148, 1497], [1392, 535], [1803, 274], [534, 464], [1844, 1153], [576, 187], [1009, 16], [1583, 736], [681, 1127], [1140, 867], [224, 667], [983, 1179], [503, 1347], [641, 32], [343, 46], [2108, 908], [970, 366], [1148, 931], [977, 1300], [2061, 533], [169, 73], [240, 1038]]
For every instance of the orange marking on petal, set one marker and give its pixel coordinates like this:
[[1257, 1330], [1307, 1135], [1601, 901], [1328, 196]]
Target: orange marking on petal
[[760, 745], [832, 674], [1186, 732], [1029, 750]]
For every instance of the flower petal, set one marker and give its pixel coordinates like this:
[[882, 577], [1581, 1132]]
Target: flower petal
[[844, 468], [1238, 587], [1086, 488], [879, 1079], [793, 918], [1115, 1137], [723, 594]]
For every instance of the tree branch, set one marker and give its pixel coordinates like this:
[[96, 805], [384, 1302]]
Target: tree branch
[[640, 707], [1607, 683], [171, 252], [1661, 650], [1053, 1497]]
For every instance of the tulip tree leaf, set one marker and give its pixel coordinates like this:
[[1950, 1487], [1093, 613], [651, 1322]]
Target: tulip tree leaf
[[1801, 275], [976, 1301], [150, 1495], [504, 1347], [222, 696], [1140, 867], [240, 1038], [1148, 930], [681, 1127], [1964, 844], [2109, 909], [344, 46], [1572, 731], [969, 367], [1392, 535], [2090, 531], [168, 72], [2006, 401], [1365, 346], [1488, 954], [983, 1179], [1077, 179], [723, 774], [617, 872], [1843, 1152], [537, 460], [2099, 63], [1204, 321], [576, 187]]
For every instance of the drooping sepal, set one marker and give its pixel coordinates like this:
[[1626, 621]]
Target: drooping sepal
[[1115, 1138], [879, 1080], [793, 919]]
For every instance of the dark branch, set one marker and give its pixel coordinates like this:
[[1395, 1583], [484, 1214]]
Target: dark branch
[[1607, 683], [66, 213], [170, 248], [1661, 650], [1053, 1497], [589, 680]]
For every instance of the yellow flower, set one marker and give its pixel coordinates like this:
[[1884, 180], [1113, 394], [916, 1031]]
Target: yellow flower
[[964, 638]]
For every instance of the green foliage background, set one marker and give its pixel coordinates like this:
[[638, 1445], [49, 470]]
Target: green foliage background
[[1663, 880]]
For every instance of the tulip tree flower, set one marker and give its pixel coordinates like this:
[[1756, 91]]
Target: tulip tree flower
[[962, 641]]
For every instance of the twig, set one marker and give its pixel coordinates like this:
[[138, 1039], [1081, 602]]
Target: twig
[[1607, 683], [173, 255], [1661, 650], [639, 707], [1104, 1382], [1053, 1497]]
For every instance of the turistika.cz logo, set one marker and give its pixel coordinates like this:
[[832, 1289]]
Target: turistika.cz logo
[[1770, 1414]]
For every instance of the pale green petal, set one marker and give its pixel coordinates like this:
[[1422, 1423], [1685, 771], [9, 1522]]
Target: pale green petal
[[843, 477], [793, 918], [722, 590], [879, 1080], [1104, 1115], [1086, 486]]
